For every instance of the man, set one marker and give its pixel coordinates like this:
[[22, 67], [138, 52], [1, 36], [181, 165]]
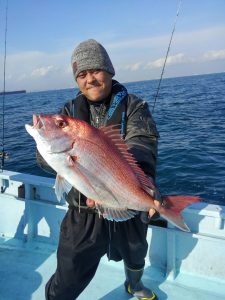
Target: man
[[85, 237]]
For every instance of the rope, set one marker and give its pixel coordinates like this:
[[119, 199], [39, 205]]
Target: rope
[[3, 154], [167, 53]]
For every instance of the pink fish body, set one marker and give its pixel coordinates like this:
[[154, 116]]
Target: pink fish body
[[98, 164]]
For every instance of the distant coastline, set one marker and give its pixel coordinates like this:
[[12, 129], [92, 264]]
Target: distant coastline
[[13, 92]]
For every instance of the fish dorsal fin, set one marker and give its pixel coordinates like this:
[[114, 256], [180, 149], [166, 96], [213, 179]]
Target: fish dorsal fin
[[113, 133]]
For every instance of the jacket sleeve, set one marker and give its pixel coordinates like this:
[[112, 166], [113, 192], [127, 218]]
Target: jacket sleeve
[[142, 135]]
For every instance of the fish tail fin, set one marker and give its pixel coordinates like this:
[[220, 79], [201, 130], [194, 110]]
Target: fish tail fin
[[173, 205]]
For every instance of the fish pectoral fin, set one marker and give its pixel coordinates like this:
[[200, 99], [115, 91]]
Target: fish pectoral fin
[[118, 215], [62, 186]]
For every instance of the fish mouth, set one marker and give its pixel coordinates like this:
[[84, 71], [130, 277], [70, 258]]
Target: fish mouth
[[36, 126]]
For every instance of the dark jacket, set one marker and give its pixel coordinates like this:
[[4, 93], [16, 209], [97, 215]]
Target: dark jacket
[[140, 131]]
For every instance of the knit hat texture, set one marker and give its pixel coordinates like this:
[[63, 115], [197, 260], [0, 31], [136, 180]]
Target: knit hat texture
[[90, 55]]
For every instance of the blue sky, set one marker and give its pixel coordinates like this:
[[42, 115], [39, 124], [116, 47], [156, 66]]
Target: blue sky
[[42, 35]]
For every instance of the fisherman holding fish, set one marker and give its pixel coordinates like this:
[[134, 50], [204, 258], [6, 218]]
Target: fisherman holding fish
[[85, 237], [103, 146]]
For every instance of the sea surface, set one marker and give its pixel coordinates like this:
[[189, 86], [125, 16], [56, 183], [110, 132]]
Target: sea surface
[[190, 117]]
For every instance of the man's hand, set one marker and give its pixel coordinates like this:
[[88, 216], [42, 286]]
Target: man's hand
[[152, 211]]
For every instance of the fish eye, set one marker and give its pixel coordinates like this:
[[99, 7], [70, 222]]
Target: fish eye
[[61, 123]]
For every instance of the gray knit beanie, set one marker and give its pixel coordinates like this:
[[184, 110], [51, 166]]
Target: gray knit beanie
[[90, 55]]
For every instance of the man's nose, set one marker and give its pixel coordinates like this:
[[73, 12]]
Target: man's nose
[[90, 77]]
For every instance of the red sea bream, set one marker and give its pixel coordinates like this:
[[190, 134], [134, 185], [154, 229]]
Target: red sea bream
[[97, 163]]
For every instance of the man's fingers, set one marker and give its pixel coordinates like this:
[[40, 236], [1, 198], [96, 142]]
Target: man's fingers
[[151, 212], [90, 203], [157, 204]]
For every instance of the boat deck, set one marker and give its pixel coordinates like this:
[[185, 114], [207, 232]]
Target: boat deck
[[25, 270], [179, 265]]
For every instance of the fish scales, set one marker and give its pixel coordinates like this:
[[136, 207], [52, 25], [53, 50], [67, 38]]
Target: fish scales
[[110, 165]]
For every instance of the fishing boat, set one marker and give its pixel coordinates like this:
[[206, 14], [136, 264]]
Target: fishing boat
[[13, 92], [179, 265]]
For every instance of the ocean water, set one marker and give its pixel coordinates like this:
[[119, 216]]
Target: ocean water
[[190, 117]]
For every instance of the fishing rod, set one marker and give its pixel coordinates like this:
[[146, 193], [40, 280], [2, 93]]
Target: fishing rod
[[167, 53], [3, 154]]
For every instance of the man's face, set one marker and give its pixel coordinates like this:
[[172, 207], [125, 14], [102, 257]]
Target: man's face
[[95, 84]]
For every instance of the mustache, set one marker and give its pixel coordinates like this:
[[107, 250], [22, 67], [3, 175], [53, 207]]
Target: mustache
[[94, 83]]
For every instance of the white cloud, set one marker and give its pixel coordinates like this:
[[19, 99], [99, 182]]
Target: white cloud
[[34, 70], [131, 67], [171, 60], [134, 58], [214, 55], [158, 63], [136, 66], [177, 59], [43, 71]]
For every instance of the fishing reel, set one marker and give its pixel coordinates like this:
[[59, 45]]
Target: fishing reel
[[3, 155]]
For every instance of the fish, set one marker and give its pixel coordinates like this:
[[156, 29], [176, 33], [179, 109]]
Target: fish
[[97, 162]]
